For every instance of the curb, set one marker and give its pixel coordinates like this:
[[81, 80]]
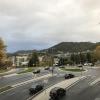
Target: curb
[[76, 82], [32, 97]]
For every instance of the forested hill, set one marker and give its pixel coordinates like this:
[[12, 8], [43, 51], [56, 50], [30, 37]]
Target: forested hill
[[72, 47]]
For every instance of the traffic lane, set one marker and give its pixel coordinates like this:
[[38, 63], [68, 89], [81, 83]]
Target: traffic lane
[[83, 90], [67, 72], [19, 78], [93, 72], [22, 92], [12, 71], [90, 71]]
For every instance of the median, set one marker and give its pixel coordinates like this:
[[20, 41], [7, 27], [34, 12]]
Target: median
[[30, 69], [72, 69]]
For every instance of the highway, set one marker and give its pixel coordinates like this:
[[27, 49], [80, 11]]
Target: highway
[[11, 80], [84, 90], [77, 91], [22, 92]]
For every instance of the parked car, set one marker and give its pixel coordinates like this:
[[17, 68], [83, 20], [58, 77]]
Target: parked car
[[36, 88], [36, 71], [57, 93], [68, 76]]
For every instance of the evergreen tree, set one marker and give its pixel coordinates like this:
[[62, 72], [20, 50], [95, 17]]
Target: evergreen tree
[[34, 61]]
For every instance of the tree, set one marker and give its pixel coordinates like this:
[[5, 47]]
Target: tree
[[77, 59], [97, 53], [61, 61], [34, 61], [89, 57], [2, 53], [82, 58], [2, 50], [72, 58]]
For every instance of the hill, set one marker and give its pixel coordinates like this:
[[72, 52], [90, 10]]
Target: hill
[[72, 47]]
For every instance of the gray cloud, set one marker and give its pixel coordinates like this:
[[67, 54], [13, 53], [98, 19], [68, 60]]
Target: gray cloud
[[42, 23]]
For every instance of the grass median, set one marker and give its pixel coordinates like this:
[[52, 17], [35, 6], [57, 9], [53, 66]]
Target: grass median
[[72, 69], [30, 69], [3, 70]]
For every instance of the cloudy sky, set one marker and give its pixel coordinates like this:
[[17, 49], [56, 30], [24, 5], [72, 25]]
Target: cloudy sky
[[38, 24]]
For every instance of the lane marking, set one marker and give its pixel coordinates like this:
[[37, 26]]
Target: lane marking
[[6, 76], [24, 83], [82, 78], [94, 82], [29, 81]]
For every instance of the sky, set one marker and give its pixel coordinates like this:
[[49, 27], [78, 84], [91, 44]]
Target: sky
[[39, 24]]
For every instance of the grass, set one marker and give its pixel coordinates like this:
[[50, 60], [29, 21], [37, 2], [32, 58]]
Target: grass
[[30, 69], [5, 88], [3, 70], [72, 69]]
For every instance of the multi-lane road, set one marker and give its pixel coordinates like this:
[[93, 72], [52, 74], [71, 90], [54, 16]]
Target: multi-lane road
[[82, 90]]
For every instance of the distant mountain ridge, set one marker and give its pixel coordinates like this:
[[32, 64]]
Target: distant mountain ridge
[[64, 47], [72, 47]]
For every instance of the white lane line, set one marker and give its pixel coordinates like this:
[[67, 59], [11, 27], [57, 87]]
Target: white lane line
[[94, 82], [29, 81], [63, 84], [10, 75], [82, 78]]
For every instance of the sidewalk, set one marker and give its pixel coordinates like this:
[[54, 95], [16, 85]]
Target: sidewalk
[[64, 84]]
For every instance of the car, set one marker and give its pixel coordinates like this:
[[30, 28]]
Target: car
[[68, 76], [57, 93], [92, 64], [80, 66], [36, 71], [35, 88], [47, 68], [61, 67]]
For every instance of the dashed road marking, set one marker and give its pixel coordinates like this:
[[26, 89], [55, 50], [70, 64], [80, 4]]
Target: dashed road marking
[[94, 82]]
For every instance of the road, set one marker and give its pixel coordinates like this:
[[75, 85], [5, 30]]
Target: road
[[82, 88], [19, 78], [22, 92]]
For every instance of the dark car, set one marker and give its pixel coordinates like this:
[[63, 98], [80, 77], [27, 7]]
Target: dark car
[[36, 71], [68, 76], [36, 88], [47, 68], [80, 66], [61, 67], [57, 93]]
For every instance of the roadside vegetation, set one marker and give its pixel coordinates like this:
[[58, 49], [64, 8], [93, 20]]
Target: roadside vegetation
[[72, 69], [29, 69], [3, 70]]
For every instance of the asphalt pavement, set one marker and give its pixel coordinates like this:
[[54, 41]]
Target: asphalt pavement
[[4, 81], [76, 92], [22, 92], [84, 90]]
